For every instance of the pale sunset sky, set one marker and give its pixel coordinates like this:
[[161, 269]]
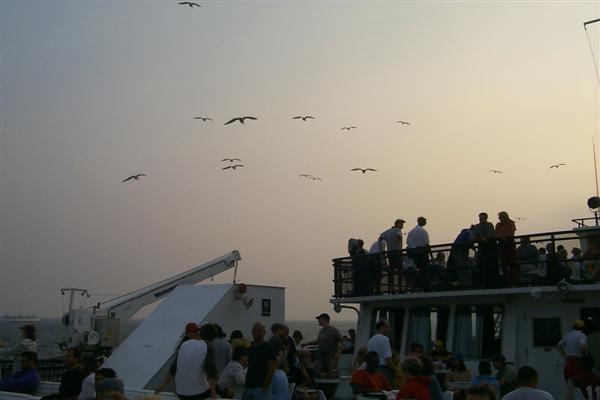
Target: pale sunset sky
[[94, 91]]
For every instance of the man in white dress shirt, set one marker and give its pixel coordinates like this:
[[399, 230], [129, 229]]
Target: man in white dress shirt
[[417, 243]]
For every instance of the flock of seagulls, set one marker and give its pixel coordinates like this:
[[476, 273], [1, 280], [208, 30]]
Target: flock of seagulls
[[304, 118]]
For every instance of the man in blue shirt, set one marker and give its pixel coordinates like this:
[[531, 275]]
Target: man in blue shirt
[[26, 380], [485, 378]]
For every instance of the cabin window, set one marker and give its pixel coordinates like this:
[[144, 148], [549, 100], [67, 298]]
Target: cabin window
[[427, 324], [546, 332], [395, 316], [478, 331]]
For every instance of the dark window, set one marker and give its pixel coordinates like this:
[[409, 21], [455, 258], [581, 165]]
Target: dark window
[[546, 332], [426, 324], [478, 331], [266, 307]]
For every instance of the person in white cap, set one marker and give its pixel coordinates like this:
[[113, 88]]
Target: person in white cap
[[573, 347]]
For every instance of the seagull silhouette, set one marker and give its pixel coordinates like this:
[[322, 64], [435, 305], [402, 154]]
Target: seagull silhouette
[[556, 165], [495, 171], [348, 128], [315, 178], [520, 218], [233, 166], [204, 119], [231, 159], [363, 170], [305, 175], [403, 122], [189, 3], [240, 119], [304, 118], [135, 177]]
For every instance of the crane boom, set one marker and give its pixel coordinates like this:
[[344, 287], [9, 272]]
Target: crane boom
[[125, 306]]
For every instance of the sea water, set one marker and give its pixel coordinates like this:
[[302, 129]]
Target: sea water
[[50, 332]]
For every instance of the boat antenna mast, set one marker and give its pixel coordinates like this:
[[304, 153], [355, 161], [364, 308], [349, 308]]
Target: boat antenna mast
[[585, 24]]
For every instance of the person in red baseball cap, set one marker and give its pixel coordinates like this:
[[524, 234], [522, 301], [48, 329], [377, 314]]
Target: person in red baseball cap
[[190, 331]]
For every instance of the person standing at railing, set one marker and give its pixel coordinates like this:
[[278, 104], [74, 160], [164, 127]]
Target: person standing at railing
[[487, 251], [505, 233], [330, 345], [393, 243], [418, 250], [377, 263]]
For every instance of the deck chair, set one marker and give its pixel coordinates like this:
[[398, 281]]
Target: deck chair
[[448, 395]]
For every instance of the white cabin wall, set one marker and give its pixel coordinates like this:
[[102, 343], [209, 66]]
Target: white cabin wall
[[365, 321], [231, 314]]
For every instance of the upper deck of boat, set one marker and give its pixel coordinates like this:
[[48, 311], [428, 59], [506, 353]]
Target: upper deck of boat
[[366, 278]]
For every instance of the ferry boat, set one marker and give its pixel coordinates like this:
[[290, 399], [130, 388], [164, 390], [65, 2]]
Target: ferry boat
[[524, 322]]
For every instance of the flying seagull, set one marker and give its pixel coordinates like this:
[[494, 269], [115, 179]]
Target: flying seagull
[[495, 171], [403, 122], [204, 119], [233, 166], [306, 175], [557, 165], [348, 128], [304, 118], [240, 119], [231, 159], [315, 178], [363, 170], [136, 177], [520, 218], [189, 3]]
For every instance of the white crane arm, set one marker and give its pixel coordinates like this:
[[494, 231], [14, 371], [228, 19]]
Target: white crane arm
[[125, 306]]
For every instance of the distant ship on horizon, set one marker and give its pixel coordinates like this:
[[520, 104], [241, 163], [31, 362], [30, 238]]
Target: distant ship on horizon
[[20, 318]]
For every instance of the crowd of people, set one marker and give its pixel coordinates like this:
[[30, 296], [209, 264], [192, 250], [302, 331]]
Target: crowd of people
[[423, 376], [495, 250], [206, 364]]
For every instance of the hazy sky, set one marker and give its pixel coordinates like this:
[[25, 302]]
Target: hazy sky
[[94, 91]]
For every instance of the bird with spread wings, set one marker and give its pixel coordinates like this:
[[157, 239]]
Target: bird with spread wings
[[231, 159], [557, 165], [134, 177], [495, 171], [204, 119], [304, 118], [240, 119], [233, 166], [363, 170], [189, 3], [348, 128]]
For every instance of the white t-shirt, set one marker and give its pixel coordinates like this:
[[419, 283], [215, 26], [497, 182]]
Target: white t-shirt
[[88, 388], [417, 237], [232, 375], [375, 247], [381, 345], [392, 238], [190, 378], [527, 393], [572, 343]]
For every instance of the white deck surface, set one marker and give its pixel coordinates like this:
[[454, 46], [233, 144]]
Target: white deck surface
[[149, 347]]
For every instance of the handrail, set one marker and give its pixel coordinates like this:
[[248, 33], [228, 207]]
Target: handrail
[[370, 274]]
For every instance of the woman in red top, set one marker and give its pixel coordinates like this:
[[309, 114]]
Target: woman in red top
[[417, 386], [505, 232]]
